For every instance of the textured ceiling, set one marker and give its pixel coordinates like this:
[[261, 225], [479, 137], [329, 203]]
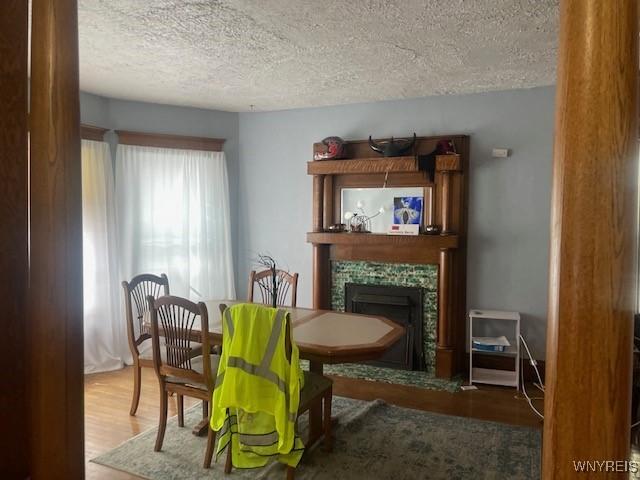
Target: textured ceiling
[[281, 54]]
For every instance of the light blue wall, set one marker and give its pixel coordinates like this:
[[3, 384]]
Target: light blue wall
[[148, 117], [509, 198], [94, 110]]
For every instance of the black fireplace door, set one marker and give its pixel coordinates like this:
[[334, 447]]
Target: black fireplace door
[[402, 305]]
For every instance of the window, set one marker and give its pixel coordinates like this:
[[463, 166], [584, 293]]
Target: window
[[173, 213]]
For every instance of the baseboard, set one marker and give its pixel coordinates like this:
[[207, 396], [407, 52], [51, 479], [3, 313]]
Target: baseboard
[[444, 363], [501, 362]]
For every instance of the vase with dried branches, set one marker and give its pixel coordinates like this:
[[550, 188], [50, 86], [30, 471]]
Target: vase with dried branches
[[271, 287]]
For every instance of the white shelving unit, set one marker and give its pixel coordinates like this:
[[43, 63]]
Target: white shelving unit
[[507, 324]]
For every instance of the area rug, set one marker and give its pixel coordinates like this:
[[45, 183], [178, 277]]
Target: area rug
[[373, 440], [391, 375]]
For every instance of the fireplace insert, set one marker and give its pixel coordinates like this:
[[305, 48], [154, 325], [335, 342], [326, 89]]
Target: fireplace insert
[[402, 305]]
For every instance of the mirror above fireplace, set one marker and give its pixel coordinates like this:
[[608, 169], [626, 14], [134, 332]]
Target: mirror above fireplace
[[380, 204]]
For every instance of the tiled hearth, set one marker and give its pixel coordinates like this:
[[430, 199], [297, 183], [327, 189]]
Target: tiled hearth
[[393, 274]]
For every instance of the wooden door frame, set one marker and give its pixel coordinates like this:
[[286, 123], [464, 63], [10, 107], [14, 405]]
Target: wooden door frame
[[14, 262], [592, 279], [54, 344]]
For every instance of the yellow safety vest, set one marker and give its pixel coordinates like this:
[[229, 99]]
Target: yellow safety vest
[[257, 391]]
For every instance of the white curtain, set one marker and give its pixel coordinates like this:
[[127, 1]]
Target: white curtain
[[173, 209], [105, 341]]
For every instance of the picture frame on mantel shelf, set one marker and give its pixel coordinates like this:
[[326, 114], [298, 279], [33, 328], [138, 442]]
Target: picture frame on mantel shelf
[[407, 210]]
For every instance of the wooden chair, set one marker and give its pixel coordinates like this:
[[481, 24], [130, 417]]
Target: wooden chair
[[264, 280], [186, 367], [136, 306], [317, 388]]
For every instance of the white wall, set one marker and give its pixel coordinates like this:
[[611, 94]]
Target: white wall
[[509, 198]]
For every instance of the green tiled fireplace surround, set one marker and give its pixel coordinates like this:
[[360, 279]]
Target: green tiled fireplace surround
[[393, 274]]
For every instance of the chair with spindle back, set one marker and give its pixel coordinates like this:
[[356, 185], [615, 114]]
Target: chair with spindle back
[[184, 364], [288, 287], [136, 307]]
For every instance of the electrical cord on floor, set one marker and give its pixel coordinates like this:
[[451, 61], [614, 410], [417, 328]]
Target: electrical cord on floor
[[539, 385], [635, 349], [533, 362]]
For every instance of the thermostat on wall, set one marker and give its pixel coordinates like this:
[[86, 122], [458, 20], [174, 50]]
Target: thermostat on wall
[[500, 153]]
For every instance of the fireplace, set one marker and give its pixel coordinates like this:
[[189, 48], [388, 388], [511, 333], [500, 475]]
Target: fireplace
[[400, 304], [420, 278], [434, 263]]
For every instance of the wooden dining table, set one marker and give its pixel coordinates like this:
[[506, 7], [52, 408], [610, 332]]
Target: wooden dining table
[[326, 336], [323, 336]]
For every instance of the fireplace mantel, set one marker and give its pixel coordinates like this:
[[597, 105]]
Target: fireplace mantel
[[375, 247], [449, 193]]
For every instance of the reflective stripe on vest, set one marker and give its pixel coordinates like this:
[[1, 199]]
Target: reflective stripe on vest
[[227, 316], [259, 440], [262, 370], [257, 370], [229, 422], [271, 432]]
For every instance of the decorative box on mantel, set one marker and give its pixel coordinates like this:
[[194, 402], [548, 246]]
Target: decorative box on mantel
[[448, 194]]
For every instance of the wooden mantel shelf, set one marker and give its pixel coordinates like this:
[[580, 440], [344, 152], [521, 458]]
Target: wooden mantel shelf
[[368, 239], [377, 165]]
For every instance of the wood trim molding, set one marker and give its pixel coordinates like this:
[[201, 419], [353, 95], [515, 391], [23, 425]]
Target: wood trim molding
[[54, 320], [593, 269], [318, 203], [369, 165], [91, 132], [161, 140], [393, 242], [14, 238], [448, 163]]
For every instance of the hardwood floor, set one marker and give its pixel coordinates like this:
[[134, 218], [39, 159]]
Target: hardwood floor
[[108, 396], [497, 404], [107, 422]]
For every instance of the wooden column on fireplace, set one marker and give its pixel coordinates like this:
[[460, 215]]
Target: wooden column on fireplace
[[448, 191]]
